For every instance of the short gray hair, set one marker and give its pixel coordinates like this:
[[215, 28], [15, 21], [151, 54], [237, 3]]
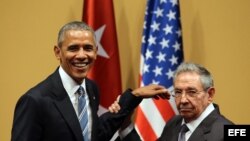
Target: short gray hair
[[75, 25], [205, 76]]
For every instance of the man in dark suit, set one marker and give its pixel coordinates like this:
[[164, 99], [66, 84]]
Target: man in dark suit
[[49, 111], [193, 92]]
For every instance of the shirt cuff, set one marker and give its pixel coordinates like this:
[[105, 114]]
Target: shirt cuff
[[123, 133]]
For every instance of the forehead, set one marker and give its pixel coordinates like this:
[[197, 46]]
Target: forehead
[[188, 79], [79, 36], [79, 33]]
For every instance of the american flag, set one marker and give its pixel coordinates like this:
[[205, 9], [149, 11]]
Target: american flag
[[161, 53]]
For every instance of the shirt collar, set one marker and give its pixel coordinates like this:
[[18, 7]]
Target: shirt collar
[[68, 83]]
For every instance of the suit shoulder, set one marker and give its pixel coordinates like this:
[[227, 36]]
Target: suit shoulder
[[91, 82], [172, 122], [223, 120], [219, 118], [42, 88]]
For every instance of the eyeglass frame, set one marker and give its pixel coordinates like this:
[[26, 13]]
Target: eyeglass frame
[[187, 93]]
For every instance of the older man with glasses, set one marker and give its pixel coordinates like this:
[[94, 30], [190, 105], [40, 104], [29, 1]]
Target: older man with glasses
[[199, 118], [194, 92]]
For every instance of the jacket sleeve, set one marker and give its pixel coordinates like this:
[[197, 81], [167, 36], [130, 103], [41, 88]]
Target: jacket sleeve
[[111, 122], [132, 136], [26, 124]]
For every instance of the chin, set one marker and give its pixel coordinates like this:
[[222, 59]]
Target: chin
[[185, 114], [79, 78]]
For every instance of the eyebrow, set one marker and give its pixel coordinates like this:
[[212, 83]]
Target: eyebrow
[[188, 88]]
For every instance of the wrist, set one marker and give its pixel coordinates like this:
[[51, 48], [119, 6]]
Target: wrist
[[136, 93]]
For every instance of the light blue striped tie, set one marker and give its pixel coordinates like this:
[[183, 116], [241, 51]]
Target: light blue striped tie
[[82, 111]]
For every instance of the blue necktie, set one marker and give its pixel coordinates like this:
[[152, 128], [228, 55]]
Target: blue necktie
[[183, 131], [82, 111]]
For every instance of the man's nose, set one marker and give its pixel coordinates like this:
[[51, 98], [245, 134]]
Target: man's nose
[[184, 98], [81, 53]]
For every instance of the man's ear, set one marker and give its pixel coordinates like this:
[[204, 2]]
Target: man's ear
[[211, 93], [96, 51], [57, 52]]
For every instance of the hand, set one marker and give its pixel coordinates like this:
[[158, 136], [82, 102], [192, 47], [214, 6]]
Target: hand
[[152, 91], [115, 107]]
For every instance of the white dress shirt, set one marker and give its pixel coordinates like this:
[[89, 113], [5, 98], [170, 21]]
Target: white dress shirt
[[71, 88], [195, 123]]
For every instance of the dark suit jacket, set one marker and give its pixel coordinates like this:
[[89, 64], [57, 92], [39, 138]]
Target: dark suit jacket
[[132, 136], [210, 129], [45, 113]]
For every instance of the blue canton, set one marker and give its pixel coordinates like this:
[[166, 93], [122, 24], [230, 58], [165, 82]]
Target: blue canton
[[161, 42]]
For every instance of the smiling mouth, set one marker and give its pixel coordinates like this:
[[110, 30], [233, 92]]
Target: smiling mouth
[[81, 65]]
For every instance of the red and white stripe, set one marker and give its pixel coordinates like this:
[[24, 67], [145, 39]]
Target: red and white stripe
[[152, 115]]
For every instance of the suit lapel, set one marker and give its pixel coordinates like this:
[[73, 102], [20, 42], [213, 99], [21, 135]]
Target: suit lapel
[[198, 134], [171, 129], [201, 132], [177, 128], [91, 95], [65, 106], [94, 103]]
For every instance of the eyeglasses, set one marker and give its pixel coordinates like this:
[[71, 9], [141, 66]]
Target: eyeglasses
[[188, 93]]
